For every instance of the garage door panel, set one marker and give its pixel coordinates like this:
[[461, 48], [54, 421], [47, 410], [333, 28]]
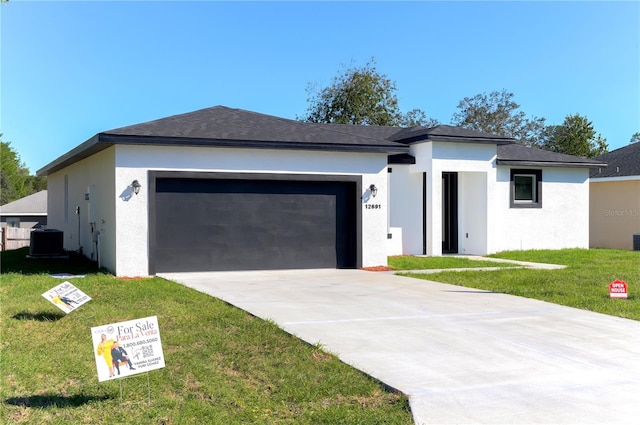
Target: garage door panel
[[209, 225]]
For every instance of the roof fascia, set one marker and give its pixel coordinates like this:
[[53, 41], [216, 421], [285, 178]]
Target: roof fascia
[[22, 214], [102, 141], [614, 179], [549, 164], [457, 139], [86, 149], [252, 144]]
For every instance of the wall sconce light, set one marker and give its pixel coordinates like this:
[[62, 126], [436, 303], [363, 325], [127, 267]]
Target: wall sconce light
[[374, 190], [136, 186]]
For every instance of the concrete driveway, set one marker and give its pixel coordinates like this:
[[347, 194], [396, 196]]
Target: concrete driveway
[[463, 356]]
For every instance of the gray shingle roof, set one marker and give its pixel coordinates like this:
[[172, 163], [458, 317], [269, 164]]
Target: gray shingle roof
[[220, 126], [445, 133], [514, 154], [35, 204], [621, 162]]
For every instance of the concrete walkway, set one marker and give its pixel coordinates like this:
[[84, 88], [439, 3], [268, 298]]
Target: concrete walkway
[[515, 263], [462, 356]]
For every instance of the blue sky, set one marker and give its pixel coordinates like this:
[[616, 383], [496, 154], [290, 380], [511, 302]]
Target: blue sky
[[70, 70]]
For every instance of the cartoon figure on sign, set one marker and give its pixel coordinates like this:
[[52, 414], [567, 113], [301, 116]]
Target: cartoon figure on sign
[[104, 350], [119, 355]]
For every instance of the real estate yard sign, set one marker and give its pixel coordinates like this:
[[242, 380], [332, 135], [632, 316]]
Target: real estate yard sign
[[618, 289], [66, 297], [127, 348]]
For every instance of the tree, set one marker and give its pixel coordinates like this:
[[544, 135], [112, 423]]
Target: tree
[[360, 96], [417, 117], [575, 136], [15, 181], [13, 174], [635, 138], [497, 113]]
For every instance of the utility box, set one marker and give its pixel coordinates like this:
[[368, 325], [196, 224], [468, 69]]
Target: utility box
[[636, 242], [46, 243]]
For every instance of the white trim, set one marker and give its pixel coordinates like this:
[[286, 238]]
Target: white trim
[[614, 179]]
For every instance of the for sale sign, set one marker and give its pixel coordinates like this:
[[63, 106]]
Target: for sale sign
[[618, 289], [66, 297], [127, 348]]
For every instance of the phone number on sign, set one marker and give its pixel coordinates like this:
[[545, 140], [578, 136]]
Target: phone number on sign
[[146, 341]]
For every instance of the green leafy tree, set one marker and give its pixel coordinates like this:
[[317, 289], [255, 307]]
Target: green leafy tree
[[13, 174], [635, 138], [361, 96], [575, 136], [15, 181], [497, 113], [417, 117]]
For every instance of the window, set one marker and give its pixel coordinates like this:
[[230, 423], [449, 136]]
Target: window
[[13, 222], [526, 188]]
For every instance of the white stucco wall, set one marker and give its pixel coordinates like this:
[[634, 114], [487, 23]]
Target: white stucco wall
[[405, 206], [134, 162], [562, 222], [93, 176], [473, 212], [486, 221], [475, 165]]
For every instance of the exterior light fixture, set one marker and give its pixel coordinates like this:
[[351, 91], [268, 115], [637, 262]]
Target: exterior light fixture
[[374, 190], [136, 186]]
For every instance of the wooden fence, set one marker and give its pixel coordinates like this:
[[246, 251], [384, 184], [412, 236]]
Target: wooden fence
[[14, 238]]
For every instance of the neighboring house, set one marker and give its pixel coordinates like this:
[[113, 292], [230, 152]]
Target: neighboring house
[[29, 212], [615, 199], [228, 189]]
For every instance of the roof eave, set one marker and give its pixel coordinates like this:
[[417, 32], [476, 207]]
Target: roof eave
[[102, 141], [21, 214], [86, 149], [251, 144], [457, 139], [562, 164]]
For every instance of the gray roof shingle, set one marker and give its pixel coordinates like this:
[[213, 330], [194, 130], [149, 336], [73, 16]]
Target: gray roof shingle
[[621, 162], [515, 154], [35, 204], [445, 133], [220, 126]]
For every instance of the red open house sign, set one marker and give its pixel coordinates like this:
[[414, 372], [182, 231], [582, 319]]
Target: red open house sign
[[618, 289]]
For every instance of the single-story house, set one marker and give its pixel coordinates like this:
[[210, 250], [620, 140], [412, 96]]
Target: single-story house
[[29, 212], [229, 189], [615, 199]]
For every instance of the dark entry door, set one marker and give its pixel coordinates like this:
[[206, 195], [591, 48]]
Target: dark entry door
[[230, 224], [449, 213]]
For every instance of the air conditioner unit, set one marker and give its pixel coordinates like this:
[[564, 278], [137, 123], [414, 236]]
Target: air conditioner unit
[[46, 243]]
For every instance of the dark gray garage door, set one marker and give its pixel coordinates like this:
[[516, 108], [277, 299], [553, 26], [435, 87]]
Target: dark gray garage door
[[230, 224]]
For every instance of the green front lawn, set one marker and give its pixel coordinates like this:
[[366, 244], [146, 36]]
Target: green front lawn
[[223, 366], [583, 284], [407, 262]]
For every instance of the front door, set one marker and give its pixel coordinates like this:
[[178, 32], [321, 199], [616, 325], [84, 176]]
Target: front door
[[449, 213]]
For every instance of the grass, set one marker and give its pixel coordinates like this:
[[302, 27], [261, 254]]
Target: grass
[[583, 284], [407, 262], [223, 366]]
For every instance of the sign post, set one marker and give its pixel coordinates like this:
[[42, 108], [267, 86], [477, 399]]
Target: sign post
[[618, 289]]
